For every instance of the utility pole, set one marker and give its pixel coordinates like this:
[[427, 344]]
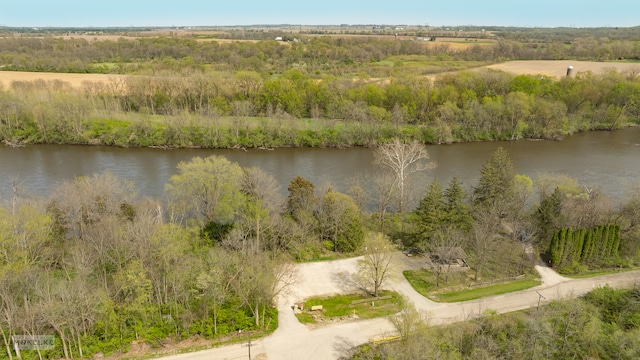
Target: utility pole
[[540, 297], [248, 346]]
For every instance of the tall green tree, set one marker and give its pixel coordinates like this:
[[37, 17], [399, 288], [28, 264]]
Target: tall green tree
[[441, 213], [205, 189], [547, 215], [496, 187], [457, 210], [430, 214], [340, 222], [301, 199]]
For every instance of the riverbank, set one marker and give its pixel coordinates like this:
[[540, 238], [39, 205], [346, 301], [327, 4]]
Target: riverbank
[[199, 132]]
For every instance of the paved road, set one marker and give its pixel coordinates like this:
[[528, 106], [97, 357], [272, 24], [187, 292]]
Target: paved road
[[295, 341]]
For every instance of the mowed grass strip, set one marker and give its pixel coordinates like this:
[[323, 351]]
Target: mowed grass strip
[[422, 281], [341, 305], [599, 272], [481, 292]]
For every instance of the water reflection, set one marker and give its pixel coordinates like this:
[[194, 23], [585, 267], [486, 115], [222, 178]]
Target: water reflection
[[608, 160]]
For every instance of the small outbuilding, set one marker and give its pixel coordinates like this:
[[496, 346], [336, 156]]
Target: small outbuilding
[[450, 255]]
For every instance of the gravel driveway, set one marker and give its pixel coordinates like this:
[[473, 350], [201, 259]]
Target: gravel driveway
[[295, 341]]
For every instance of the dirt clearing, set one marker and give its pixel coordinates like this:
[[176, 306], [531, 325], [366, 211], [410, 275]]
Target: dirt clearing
[[558, 68]]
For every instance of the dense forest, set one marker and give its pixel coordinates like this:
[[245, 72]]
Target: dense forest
[[245, 109]]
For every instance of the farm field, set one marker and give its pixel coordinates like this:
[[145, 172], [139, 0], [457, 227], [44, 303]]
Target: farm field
[[558, 68], [75, 80], [554, 68]]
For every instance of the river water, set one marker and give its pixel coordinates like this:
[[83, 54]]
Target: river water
[[609, 160]]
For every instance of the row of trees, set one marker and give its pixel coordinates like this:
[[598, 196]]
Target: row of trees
[[500, 224], [569, 248], [246, 109], [336, 55]]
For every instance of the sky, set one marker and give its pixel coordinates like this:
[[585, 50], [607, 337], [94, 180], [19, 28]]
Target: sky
[[116, 13]]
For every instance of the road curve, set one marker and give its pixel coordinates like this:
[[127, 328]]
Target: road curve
[[295, 341]]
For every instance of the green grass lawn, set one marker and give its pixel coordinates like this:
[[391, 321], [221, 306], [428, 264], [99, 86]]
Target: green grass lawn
[[341, 305], [594, 273], [423, 281], [480, 292]]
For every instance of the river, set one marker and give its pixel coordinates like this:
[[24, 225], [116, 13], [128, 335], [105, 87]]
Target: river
[[609, 160]]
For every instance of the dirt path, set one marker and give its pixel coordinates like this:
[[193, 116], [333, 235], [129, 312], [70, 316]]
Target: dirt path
[[295, 341]]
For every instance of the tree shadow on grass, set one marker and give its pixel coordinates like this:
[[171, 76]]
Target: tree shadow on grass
[[347, 282]]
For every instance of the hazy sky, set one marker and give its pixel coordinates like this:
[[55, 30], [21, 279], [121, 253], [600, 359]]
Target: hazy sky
[[574, 13]]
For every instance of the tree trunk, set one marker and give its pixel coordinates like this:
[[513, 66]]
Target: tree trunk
[[215, 318], [381, 216], [6, 344], [64, 344], [80, 346], [255, 246], [256, 313], [17, 350]]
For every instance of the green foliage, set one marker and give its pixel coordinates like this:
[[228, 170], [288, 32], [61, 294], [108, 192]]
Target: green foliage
[[430, 213], [206, 189], [561, 330], [215, 231], [301, 197], [548, 214], [189, 99], [593, 247], [341, 222], [496, 187], [440, 212], [486, 291], [343, 305], [424, 282], [458, 211]]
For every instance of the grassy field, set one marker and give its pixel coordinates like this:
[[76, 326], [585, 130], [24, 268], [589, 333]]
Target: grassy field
[[340, 306], [594, 273], [456, 289], [485, 291]]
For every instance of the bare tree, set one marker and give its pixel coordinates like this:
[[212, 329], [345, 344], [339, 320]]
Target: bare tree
[[377, 266], [263, 186], [484, 240], [9, 309], [383, 191], [260, 281], [444, 248], [408, 321], [403, 160], [78, 204]]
